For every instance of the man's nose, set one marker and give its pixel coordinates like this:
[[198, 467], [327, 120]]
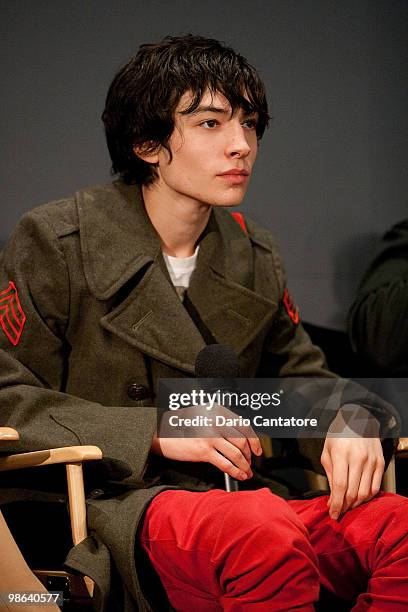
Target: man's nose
[[237, 145]]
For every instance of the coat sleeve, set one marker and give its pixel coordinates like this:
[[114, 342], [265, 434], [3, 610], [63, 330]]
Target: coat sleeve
[[34, 357], [378, 322], [288, 349], [289, 353]]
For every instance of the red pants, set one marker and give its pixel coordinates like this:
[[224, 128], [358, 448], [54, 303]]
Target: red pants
[[251, 550]]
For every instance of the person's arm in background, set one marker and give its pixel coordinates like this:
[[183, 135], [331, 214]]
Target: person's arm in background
[[378, 319]]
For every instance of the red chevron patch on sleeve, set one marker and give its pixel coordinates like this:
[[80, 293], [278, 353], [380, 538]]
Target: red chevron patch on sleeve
[[12, 317], [291, 309]]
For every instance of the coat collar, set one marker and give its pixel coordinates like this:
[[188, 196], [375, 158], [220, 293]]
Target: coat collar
[[118, 240]]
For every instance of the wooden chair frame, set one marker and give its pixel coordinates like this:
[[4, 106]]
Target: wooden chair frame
[[389, 483], [16, 576]]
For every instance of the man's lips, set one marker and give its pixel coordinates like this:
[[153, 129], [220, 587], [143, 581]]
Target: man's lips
[[234, 171], [235, 176]]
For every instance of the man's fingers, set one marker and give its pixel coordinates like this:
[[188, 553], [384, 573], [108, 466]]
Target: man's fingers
[[370, 484], [328, 468], [339, 486], [354, 469], [225, 465], [253, 440], [233, 454], [243, 445], [377, 478], [354, 484], [364, 490], [244, 433], [235, 436]]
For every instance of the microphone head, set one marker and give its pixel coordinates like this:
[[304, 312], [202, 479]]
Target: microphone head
[[217, 361]]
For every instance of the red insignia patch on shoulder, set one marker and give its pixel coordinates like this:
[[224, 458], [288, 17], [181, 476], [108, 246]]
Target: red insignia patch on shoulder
[[291, 309], [12, 317], [240, 219]]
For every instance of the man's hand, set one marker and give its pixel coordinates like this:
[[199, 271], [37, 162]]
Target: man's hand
[[354, 466], [228, 448]]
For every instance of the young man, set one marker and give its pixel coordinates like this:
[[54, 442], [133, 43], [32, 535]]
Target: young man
[[125, 284]]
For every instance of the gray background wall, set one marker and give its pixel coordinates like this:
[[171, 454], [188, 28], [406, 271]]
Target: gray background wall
[[332, 171]]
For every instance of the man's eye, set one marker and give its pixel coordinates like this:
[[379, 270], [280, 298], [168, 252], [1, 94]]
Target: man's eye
[[250, 123], [210, 123]]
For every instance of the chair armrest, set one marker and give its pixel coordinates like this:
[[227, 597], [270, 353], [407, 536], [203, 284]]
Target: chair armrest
[[7, 433], [389, 483], [72, 457], [402, 445], [67, 454]]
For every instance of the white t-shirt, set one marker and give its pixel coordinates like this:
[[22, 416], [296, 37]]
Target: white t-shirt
[[180, 270]]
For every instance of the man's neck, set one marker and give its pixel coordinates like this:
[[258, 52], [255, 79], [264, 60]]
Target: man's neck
[[177, 219]]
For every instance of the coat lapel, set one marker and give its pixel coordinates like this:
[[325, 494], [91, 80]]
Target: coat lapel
[[119, 244], [221, 287], [154, 320], [117, 238]]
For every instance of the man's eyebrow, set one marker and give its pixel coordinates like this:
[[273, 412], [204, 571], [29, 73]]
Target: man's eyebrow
[[206, 109], [214, 109]]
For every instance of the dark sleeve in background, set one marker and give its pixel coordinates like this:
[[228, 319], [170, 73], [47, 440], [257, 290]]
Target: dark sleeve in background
[[378, 322]]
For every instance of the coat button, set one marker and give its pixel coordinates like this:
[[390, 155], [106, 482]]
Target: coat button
[[96, 493], [138, 392]]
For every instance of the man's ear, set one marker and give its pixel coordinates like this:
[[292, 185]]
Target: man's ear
[[147, 152]]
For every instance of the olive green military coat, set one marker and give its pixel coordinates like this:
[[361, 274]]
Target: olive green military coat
[[97, 322]]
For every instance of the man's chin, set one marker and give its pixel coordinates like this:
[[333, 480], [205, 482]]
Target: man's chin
[[230, 201]]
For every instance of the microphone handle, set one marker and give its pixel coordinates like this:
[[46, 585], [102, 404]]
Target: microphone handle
[[231, 484]]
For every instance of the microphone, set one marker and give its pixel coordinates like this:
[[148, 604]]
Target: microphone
[[218, 361]]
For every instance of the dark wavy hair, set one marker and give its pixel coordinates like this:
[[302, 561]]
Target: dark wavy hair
[[144, 94]]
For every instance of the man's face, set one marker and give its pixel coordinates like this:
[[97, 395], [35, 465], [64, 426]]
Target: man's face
[[213, 153]]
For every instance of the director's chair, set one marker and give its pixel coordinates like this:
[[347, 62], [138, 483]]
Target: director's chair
[[15, 575]]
